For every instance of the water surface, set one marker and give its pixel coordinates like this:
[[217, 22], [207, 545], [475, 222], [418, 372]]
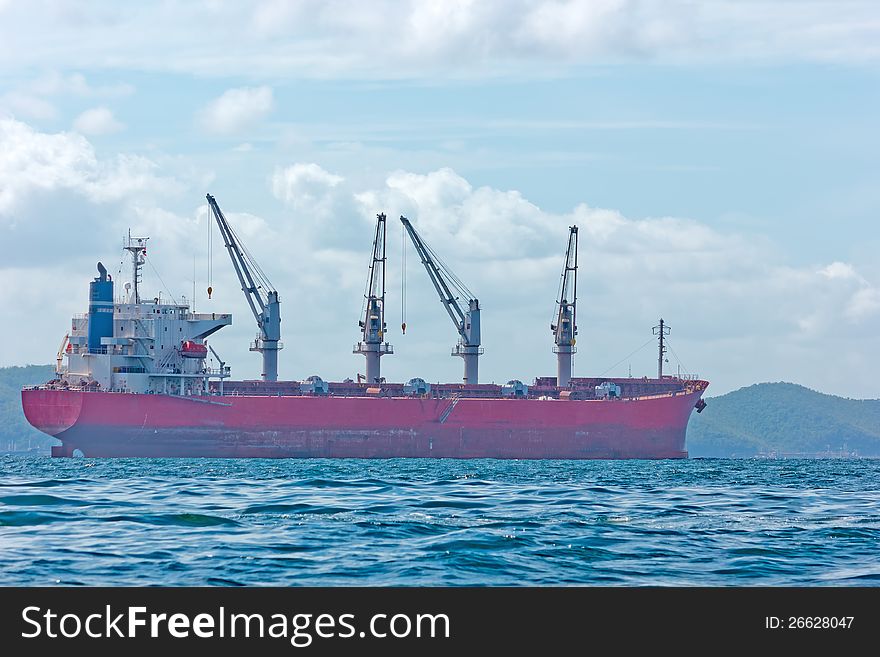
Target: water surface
[[439, 522]]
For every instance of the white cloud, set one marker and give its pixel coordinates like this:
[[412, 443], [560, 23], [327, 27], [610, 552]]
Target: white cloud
[[864, 303], [839, 270], [34, 162], [300, 182], [459, 38], [58, 199], [97, 121], [451, 214], [237, 109], [323, 209]]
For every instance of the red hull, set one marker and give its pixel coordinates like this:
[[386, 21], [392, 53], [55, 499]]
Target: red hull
[[102, 424]]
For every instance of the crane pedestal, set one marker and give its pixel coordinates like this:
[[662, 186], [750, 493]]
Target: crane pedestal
[[471, 356], [563, 364], [269, 350], [373, 351]]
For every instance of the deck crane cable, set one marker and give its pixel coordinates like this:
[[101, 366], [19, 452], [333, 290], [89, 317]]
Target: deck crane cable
[[459, 286], [565, 291], [149, 262], [193, 300], [119, 271], [210, 247], [466, 321], [403, 279], [121, 264], [372, 281], [559, 292], [256, 271], [260, 294], [675, 355], [627, 356]]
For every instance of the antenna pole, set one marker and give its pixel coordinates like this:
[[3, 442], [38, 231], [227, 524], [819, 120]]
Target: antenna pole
[[661, 331], [137, 247]]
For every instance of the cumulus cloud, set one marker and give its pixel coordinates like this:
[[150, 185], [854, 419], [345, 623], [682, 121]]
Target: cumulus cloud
[[59, 200], [450, 213], [237, 109], [491, 37], [303, 183], [323, 208], [34, 162], [839, 270], [97, 121]]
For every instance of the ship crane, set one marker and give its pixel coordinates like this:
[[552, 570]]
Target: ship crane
[[372, 322], [259, 292], [565, 327], [467, 323]]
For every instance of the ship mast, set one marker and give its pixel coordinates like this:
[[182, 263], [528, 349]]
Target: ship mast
[[137, 247], [373, 322], [565, 328], [661, 331]]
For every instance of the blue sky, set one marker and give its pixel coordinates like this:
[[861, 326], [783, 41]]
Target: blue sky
[[721, 159]]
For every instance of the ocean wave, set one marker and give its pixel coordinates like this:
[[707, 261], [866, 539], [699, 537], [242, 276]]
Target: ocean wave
[[209, 522]]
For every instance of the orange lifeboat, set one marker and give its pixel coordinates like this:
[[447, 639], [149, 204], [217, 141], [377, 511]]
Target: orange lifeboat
[[190, 349]]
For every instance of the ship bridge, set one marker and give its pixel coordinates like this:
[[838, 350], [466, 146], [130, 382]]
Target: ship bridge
[[133, 345], [146, 349]]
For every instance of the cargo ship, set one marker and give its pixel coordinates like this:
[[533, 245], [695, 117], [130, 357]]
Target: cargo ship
[[134, 378]]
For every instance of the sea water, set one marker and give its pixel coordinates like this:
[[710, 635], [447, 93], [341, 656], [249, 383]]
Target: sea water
[[439, 522]]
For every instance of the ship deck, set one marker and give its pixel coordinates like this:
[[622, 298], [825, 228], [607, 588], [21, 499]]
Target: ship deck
[[583, 388], [542, 388]]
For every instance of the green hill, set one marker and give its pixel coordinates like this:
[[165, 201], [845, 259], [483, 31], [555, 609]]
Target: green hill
[[15, 432], [787, 419]]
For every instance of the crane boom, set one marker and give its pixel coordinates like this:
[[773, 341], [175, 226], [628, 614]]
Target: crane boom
[[372, 324], [59, 358], [467, 323], [260, 294], [565, 327]]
